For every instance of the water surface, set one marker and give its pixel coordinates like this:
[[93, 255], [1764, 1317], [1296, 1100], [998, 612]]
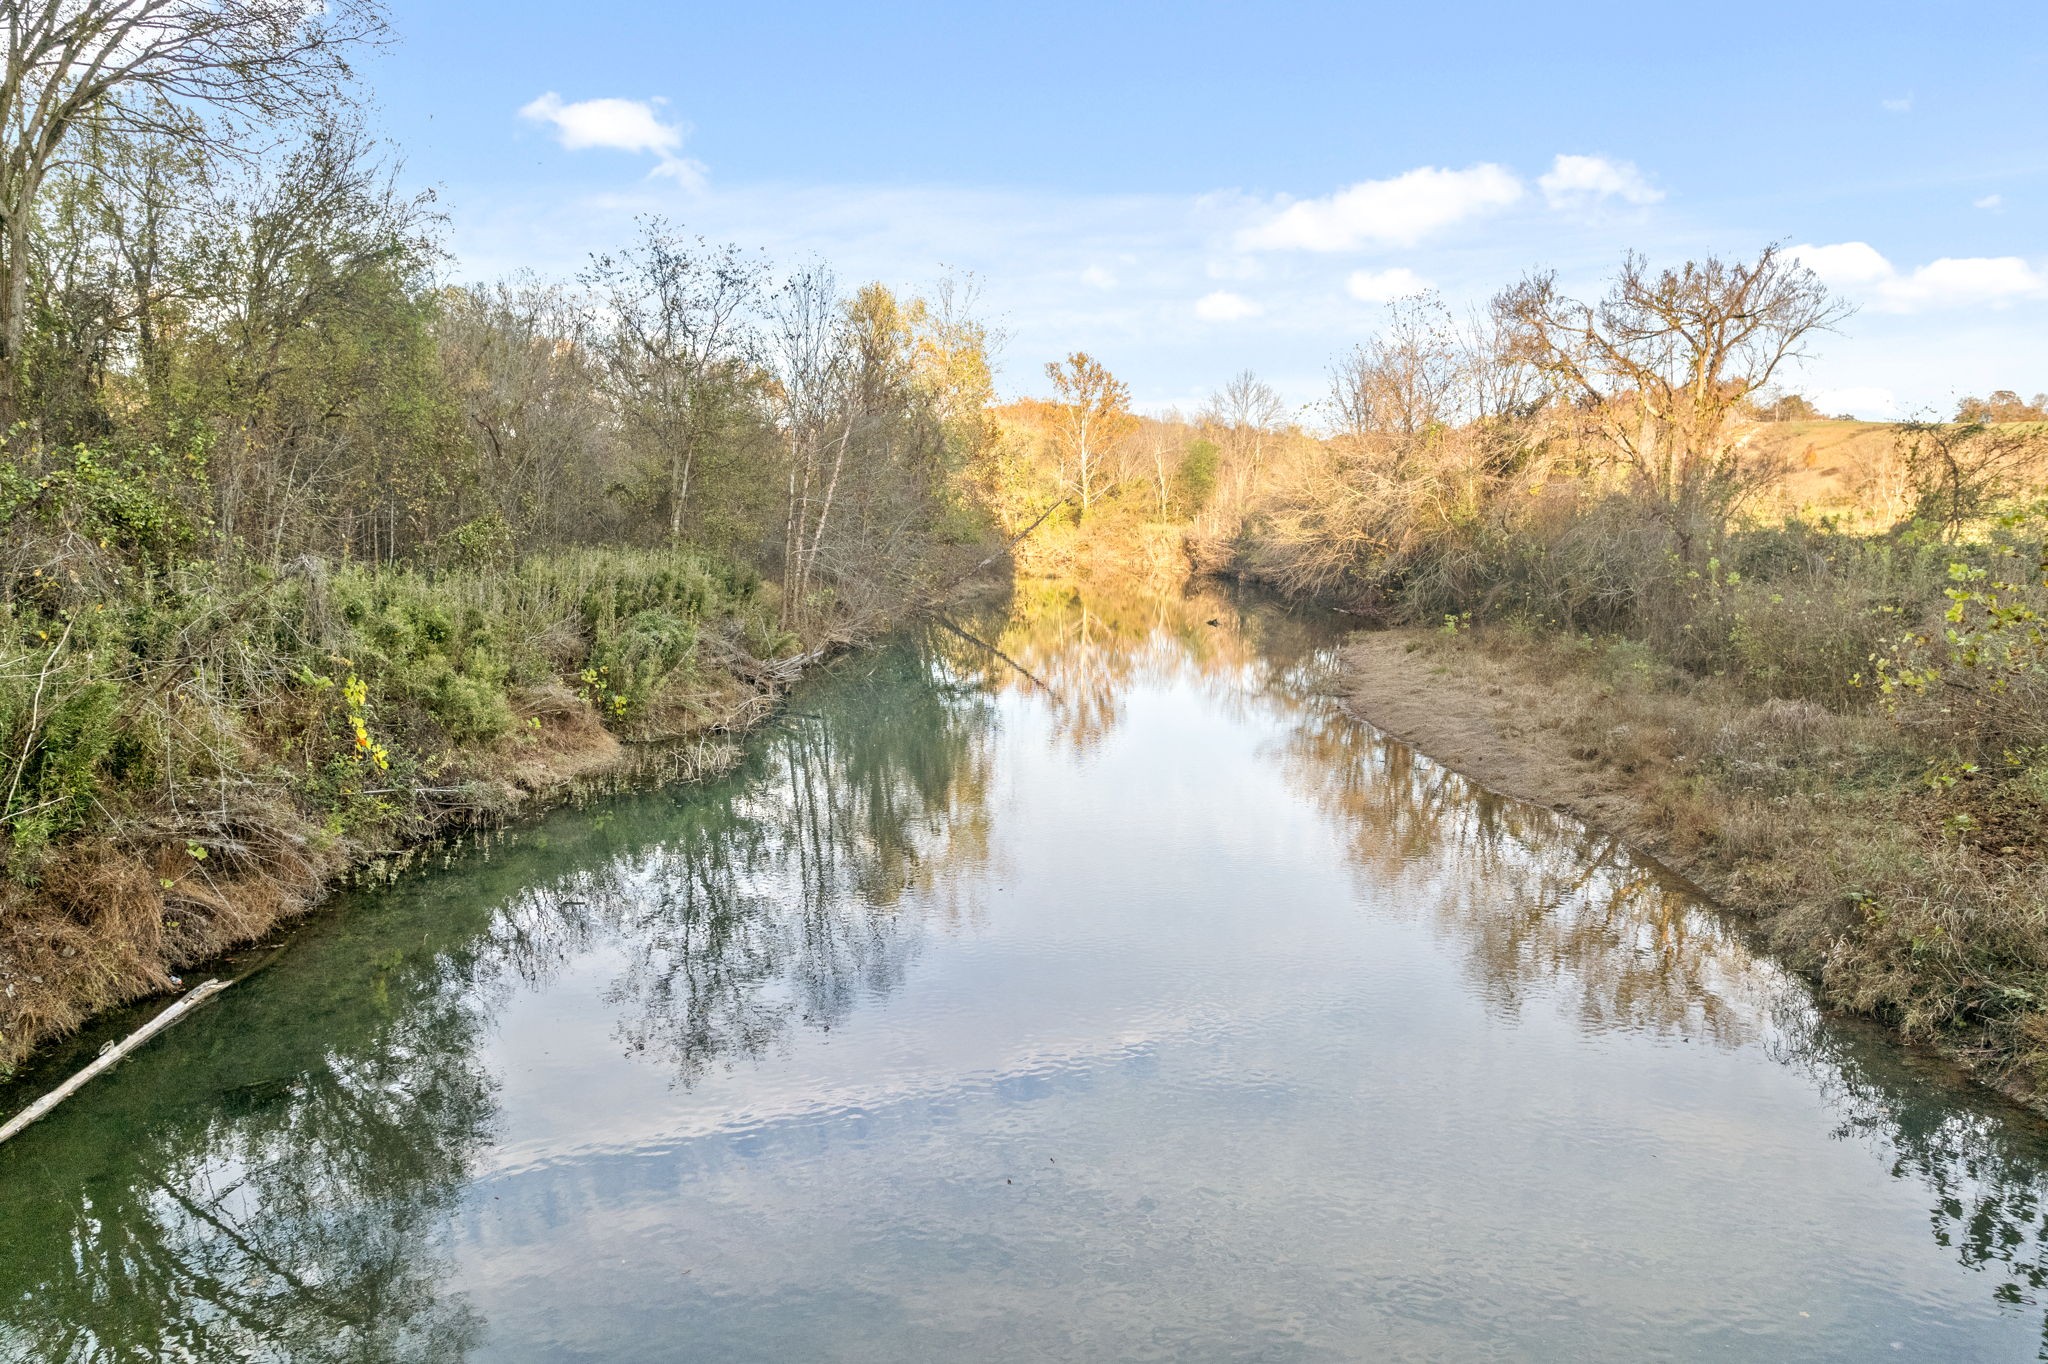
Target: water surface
[[1081, 986]]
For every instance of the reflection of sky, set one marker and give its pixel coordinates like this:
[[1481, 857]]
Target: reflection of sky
[[1167, 1014], [1189, 1080]]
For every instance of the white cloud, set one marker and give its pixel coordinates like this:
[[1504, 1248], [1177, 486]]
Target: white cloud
[[1395, 212], [1383, 286], [1095, 277], [1224, 306], [1958, 282], [1581, 181], [1988, 201], [1950, 282], [626, 125], [1031, 246], [1898, 106], [1845, 263]]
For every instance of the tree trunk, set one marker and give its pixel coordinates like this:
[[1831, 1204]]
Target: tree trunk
[[13, 314]]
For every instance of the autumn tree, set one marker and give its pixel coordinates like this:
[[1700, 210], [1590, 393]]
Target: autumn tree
[[1092, 413], [1663, 361]]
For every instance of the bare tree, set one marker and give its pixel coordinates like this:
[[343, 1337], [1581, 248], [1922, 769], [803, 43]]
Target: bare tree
[[1166, 438], [1664, 360], [543, 441], [1411, 377], [205, 72], [1093, 411], [1242, 418]]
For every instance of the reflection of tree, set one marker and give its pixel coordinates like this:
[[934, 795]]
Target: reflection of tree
[[1538, 903], [1981, 1165], [276, 1180], [1088, 647], [784, 904], [273, 1192], [1534, 900]]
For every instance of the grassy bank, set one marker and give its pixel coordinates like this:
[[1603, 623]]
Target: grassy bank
[[188, 761]]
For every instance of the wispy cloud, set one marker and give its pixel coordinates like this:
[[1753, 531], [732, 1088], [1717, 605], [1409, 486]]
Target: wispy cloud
[[1578, 182], [1858, 268], [1224, 306], [1384, 286], [1902, 105], [626, 125], [1400, 211], [1989, 201]]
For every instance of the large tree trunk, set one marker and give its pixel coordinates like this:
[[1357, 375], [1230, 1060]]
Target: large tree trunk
[[13, 313]]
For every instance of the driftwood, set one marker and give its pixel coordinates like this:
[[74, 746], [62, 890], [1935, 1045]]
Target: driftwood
[[106, 1059]]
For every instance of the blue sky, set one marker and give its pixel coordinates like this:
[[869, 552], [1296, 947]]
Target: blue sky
[[1189, 190]]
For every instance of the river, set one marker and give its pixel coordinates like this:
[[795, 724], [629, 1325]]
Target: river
[[1080, 985]]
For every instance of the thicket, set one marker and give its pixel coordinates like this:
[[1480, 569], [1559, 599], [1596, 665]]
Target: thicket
[[306, 551], [1855, 705]]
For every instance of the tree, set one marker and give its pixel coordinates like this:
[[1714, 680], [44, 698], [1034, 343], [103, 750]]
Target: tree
[[202, 72], [1092, 411], [681, 345], [1665, 358], [2005, 405], [814, 373], [1404, 381]]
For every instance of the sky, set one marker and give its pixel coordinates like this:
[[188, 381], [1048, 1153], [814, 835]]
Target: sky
[[1191, 190]]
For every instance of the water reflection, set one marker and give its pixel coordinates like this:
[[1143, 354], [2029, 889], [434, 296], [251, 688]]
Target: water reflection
[[285, 1178], [279, 1183], [1538, 905]]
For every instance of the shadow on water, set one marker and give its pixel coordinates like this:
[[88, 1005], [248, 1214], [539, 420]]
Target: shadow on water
[[280, 1178]]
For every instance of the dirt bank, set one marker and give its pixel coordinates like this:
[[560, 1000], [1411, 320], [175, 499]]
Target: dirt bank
[[1815, 826], [1486, 718]]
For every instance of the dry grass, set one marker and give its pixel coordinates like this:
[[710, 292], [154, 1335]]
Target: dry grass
[[1815, 824]]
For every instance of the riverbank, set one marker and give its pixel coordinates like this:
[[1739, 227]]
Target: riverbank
[[1817, 826], [208, 763]]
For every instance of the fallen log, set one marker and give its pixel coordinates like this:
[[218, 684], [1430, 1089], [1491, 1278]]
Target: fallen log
[[106, 1059]]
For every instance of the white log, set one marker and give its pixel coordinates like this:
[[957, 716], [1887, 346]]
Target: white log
[[111, 1055]]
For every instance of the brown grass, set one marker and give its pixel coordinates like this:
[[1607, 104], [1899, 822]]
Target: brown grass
[[1812, 824]]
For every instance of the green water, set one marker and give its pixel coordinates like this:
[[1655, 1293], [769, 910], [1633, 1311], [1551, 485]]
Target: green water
[[1119, 999]]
